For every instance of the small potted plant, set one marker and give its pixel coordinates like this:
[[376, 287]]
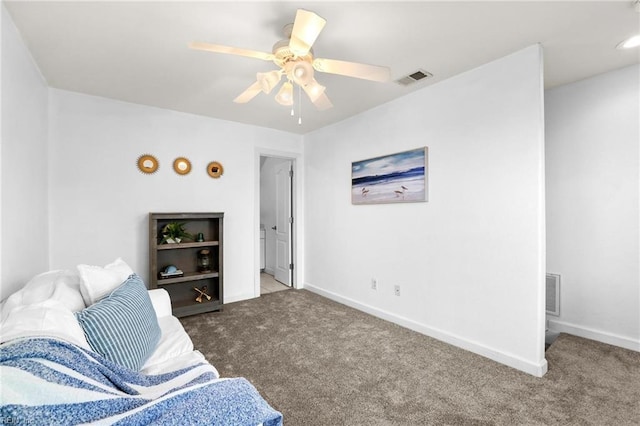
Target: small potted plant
[[174, 232]]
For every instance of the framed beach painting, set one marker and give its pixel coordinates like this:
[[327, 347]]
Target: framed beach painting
[[395, 178]]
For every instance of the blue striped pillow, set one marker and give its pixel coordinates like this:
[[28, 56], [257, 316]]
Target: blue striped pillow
[[123, 326]]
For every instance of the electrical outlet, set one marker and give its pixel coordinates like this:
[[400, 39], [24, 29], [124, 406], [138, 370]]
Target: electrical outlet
[[374, 284], [396, 290]]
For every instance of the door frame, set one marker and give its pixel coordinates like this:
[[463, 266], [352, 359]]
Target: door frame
[[297, 241]]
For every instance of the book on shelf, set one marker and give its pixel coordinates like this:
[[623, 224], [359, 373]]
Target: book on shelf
[[173, 274]]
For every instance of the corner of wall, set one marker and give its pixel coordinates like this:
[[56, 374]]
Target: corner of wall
[[24, 190], [2, 14]]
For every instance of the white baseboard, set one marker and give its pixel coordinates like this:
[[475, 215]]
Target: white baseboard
[[238, 297], [597, 335], [518, 363]]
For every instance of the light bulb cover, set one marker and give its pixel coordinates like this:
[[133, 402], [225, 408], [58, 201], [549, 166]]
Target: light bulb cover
[[285, 94], [314, 90], [268, 80], [301, 72]]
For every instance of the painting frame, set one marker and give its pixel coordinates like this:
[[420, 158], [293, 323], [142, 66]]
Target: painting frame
[[401, 177]]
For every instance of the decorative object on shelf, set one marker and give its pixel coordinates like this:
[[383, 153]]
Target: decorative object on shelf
[[200, 237], [170, 272], [174, 232], [215, 169], [395, 178], [202, 293], [182, 165], [204, 262], [147, 164]]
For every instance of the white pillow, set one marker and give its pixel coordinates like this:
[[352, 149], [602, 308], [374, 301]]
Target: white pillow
[[97, 282], [60, 285], [44, 319]]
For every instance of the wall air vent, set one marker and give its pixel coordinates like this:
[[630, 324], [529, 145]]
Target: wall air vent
[[414, 77], [553, 294]]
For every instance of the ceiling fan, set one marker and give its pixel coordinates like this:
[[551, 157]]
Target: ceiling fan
[[294, 57]]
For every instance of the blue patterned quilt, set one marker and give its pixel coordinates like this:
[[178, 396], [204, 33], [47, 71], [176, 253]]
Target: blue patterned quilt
[[47, 381]]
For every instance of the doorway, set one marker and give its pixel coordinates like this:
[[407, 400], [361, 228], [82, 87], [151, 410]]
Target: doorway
[[276, 224]]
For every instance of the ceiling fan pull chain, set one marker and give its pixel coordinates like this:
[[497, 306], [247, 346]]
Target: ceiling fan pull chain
[[299, 105]]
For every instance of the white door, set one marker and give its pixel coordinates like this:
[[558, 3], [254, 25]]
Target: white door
[[283, 223]]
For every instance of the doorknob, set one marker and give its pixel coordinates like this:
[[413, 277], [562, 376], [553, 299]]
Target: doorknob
[[273, 227]]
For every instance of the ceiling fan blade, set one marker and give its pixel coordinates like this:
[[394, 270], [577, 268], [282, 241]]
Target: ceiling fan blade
[[218, 48], [249, 94], [306, 29], [322, 102], [353, 69]]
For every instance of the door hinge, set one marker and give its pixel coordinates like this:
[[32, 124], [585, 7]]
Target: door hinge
[[291, 266], [290, 220]]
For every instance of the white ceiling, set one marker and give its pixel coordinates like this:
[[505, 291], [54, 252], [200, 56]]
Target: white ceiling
[[137, 51]]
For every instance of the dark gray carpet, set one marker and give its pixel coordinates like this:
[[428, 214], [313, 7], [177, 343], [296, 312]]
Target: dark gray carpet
[[322, 363]]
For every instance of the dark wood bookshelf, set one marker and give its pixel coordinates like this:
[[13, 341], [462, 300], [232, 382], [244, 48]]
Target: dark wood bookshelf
[[184, 256]]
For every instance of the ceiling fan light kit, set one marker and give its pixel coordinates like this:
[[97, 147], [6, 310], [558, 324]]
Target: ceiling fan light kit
[[295, 58], [285, 95]]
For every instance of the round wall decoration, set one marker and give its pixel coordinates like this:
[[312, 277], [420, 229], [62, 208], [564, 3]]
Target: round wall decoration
[[215, 169], [181, 165], [147, 164]]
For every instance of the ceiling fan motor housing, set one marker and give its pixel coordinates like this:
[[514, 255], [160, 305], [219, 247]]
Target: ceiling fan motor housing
[[282, 54]]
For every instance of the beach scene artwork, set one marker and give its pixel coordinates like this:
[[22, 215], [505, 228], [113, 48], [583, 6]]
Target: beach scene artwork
[[395, 178]]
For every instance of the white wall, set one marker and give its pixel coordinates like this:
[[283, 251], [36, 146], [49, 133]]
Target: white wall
[[470, 261], [3, 14], [23, 202], [593, 215], [100, 201]]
